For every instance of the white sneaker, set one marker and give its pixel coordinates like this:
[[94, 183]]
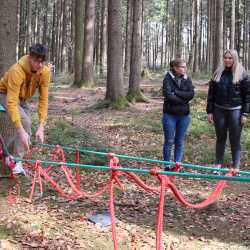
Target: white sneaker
[[18, 169]]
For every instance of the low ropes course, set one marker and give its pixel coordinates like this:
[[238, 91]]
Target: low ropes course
[[42, 173]]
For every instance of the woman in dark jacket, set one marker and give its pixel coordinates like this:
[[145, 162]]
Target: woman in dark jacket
[[228, 104], [178, 91]]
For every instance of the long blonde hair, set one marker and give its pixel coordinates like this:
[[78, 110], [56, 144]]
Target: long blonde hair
[[237, 69]]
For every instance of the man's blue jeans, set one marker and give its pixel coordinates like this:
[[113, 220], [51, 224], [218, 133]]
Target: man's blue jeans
[[175, 128]]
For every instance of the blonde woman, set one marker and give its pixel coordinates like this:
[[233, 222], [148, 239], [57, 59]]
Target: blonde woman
[[228, 104]]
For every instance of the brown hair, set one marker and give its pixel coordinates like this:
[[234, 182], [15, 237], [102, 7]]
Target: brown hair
[[38, 51], [176, 62]]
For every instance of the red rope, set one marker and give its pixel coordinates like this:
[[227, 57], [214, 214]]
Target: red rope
[[33, 186], [210, 199], [159, 226], [76, 193], [112, 212]]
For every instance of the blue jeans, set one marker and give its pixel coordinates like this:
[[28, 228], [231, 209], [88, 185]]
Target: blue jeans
[[175, 128]]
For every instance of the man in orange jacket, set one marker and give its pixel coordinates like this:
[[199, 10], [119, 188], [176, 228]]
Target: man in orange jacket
[[17, 85]]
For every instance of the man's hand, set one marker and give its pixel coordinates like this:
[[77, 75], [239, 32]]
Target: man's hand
[[24, 137], [210, 118], [243, 119], [40, 133]]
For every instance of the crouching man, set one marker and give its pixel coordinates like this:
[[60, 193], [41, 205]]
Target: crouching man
[[17, 85]]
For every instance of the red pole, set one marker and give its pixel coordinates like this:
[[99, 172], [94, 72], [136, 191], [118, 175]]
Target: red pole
[[78, 174]]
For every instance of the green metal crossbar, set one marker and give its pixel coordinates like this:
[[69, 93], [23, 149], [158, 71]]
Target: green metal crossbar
[[123, 156], [145, 171]]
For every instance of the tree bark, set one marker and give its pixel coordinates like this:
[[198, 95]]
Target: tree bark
[[196, 36], [134, 93], [79, 31], [29, 31], [219, 35], [129, 19], [22, 32], [103, 48], [232, 34], [89, 26], [53, 36], [8, 34], [114, 91], [97, 29]]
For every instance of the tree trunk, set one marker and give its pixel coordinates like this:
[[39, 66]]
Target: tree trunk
[[97, 37], [22, 32], [179, 29], [79, 31], [89, 26], [238, 27], [245, 35], [38, 10], [147, 44], [29, 31], [167, 33], [162, 43], [196, 36], [63, 55], [53, 43], [134, 93], [114, 92], [8, 34], [211, 33], [232, 33], [219, 35], [60, 35], [248, 8], [72, 37], [192, 33], [45, 22], [128, 36], [103, 49]]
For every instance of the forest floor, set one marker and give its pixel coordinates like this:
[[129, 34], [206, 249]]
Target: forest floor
[[54, 223]]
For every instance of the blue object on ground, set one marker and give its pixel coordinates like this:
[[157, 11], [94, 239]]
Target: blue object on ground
[[2, 109], [103, 219]]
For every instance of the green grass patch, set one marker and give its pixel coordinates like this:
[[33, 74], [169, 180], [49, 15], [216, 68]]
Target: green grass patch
[[151, 122], [120, 103], [64, 133], [200, 96]]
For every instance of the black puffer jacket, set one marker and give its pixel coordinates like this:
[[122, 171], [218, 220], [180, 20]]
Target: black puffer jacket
[[226, 93], [177, 91]]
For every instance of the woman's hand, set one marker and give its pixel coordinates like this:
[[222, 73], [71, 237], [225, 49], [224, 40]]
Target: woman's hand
[[243, 119], [210, 118]]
